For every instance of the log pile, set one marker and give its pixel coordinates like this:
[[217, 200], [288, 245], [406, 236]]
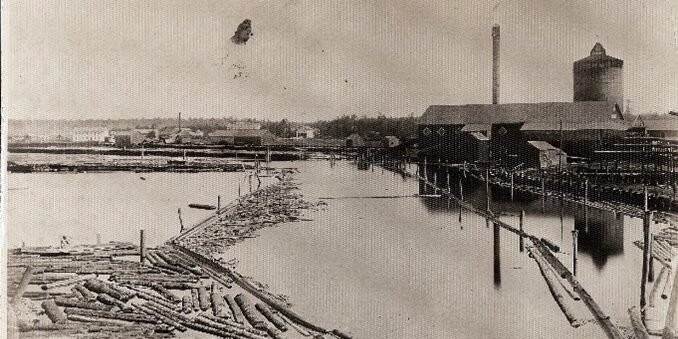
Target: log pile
[[274, 204], [137, 300]]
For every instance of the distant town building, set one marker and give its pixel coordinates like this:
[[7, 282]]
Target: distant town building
[[90, 134], [250, 137], [355, 140], [184, 135], [131, 138], [306, 132], [238, 125]]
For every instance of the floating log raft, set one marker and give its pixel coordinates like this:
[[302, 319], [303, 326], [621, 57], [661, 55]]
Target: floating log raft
[[219, 307], [25, 279], [554, 287], [202, 206]]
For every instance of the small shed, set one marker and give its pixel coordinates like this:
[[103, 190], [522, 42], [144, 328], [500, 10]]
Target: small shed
[[250, 137], [129, 139], [355, 140], [541, 154]]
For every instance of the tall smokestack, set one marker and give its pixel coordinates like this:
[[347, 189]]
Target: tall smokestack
[[495, 64]]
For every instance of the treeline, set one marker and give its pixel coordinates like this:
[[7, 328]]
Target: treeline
[[381, 126]]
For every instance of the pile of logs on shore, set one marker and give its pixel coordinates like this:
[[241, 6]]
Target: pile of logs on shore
[[115, 296]]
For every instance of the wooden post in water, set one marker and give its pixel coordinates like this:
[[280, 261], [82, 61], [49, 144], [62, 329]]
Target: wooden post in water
[[645, 199], [449, 189], [218, 203], [461, 190], [181, 223], [435, 182], [586, 192], [543, 193], [511, 186], [142, 247], [521, 240], [650, 265], [487, 189], [575, 250], [460, 215], [646, 240], [497, 256]]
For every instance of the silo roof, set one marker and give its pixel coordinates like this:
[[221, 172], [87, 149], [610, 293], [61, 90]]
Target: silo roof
[[599, 54]]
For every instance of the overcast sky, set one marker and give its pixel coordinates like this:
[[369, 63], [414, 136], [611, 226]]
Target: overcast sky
[[311, 60]]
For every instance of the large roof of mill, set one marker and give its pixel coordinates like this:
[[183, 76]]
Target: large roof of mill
[[580, 112]]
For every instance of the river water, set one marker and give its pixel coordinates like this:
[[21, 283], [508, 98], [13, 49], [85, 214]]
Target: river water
[[374, 267], [42, 207], [407, 268]]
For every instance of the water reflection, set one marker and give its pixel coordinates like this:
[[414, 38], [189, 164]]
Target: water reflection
[[601, 234]]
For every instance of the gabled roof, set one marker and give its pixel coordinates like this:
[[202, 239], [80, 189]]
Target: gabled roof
[[575, 126], [582, 111], [663, 122], [542, 145]]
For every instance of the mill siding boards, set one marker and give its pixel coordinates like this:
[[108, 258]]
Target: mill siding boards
[[444, 129]]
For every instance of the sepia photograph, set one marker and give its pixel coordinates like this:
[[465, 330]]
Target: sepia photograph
[[339, 169]]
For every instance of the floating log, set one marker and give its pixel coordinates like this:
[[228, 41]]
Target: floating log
[[219, 307], [163, 318], [235, 309], [195, 299], [249, 311], [65, 302], [340, 334], [135, 317], [78, 295], [53, 312], [223, 320], [603, 320], [25, 279], [187, 304], [87, 294], [166, 293], [299, 329], [637, 323], [202, 206], [671, 324], [660, 281], [552, 284], [45, 294], [149, 297], [98, 286], [67, 282], [667, 285], [108, 300], [100, 321], [204, 298], [230, 331], [272, 317]]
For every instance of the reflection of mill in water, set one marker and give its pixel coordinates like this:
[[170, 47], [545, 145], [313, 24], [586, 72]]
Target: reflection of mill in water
[[601, 234]]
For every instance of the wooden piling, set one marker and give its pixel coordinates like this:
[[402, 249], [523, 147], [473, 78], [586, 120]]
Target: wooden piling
[[461, 190], [521, 240], [511, 186], [646, 241], [575, 250], [181, 221], [142, 247], [650, 268], [218, 203]]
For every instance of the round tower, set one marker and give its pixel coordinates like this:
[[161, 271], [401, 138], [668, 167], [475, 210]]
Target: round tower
[[598, 77]]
